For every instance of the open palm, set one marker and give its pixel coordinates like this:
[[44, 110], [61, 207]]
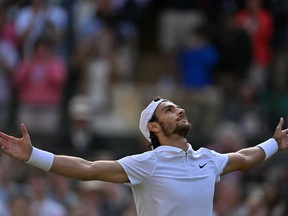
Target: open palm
[[18, 148], [281, 136]]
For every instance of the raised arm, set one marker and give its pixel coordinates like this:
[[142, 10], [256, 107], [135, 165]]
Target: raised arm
[[67, 166], [250, 157]]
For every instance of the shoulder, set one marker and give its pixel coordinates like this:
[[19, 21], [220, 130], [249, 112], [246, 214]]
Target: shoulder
[[24, 15], [204, 150], [138, 167], [25, 11], [144, 161], [210, 153], [146, 156]]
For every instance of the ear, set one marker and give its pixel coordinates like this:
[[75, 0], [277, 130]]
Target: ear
[[153, 127]]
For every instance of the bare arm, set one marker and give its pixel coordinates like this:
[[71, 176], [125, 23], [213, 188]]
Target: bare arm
[[78, 168], [68, 166], [248, 158], [244, 159]]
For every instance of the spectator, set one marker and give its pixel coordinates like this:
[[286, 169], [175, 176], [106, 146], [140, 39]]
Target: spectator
[[227, 137], [37, 19], [83, 13], [8, 62], [62, 191], [258, 22], [91, 196], [253, 204], [276, 202], [246, 110], [122, 16], [279, 9], [19, 205], [102, 198], [235, 54], [80, 209], [41, 203], [197, 62], [80, 139], [93, 59], [39, 82], [228, 197], [175, 21], [118, 18], [279, 77], [6, 184]]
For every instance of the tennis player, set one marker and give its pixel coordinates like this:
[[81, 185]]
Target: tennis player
[[171, 179]]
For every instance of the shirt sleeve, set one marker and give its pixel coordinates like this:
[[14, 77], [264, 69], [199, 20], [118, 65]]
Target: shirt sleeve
[[138, 167], [220, 160]]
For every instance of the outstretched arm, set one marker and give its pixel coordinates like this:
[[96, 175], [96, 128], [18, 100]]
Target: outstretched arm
[[250, 157], [68, 166]]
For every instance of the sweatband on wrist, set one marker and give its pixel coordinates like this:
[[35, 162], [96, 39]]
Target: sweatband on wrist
[[270, 147], [41, 159]]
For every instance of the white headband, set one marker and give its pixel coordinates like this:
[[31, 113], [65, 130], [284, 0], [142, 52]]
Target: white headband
[[146, 116]]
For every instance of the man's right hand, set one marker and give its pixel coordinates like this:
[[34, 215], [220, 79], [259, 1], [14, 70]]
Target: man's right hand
[[17, 148]]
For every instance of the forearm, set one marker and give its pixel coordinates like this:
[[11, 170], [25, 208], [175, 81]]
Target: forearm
[[255, 155], [251, 156], [78, 168], [248, 158], [67, 166], [72, 167]]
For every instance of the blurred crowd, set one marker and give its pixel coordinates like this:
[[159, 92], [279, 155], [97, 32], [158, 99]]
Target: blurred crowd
[[78, 72]]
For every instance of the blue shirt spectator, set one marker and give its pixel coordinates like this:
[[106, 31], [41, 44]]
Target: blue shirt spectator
[[197, 61]]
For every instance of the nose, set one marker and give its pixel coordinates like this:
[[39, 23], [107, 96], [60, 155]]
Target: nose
[[181, 111]]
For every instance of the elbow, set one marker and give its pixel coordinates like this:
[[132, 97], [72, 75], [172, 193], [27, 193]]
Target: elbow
[[86, 173], [85, 178]]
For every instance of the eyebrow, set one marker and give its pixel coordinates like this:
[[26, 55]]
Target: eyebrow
[[170, 106]]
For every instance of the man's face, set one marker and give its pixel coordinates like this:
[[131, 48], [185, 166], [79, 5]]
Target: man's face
[[172, 119]]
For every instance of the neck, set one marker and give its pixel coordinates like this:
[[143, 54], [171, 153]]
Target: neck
[[179, 142]]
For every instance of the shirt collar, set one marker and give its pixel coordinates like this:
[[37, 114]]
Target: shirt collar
[[173, 149]]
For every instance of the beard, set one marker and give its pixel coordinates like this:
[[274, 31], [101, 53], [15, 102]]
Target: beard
[[181, 129]]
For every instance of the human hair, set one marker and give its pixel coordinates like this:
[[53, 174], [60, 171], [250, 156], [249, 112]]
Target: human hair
[[154, 139]]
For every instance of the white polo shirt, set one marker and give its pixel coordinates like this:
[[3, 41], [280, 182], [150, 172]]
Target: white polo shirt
[[171, 182]]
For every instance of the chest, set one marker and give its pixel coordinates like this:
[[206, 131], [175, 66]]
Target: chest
[[184, 178]]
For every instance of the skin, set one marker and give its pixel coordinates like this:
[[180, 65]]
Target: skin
[[170, 116]]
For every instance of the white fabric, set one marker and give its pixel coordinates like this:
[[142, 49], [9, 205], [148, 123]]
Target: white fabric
[[170, 181], [145, 117], [270, 147], [41, 159]]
